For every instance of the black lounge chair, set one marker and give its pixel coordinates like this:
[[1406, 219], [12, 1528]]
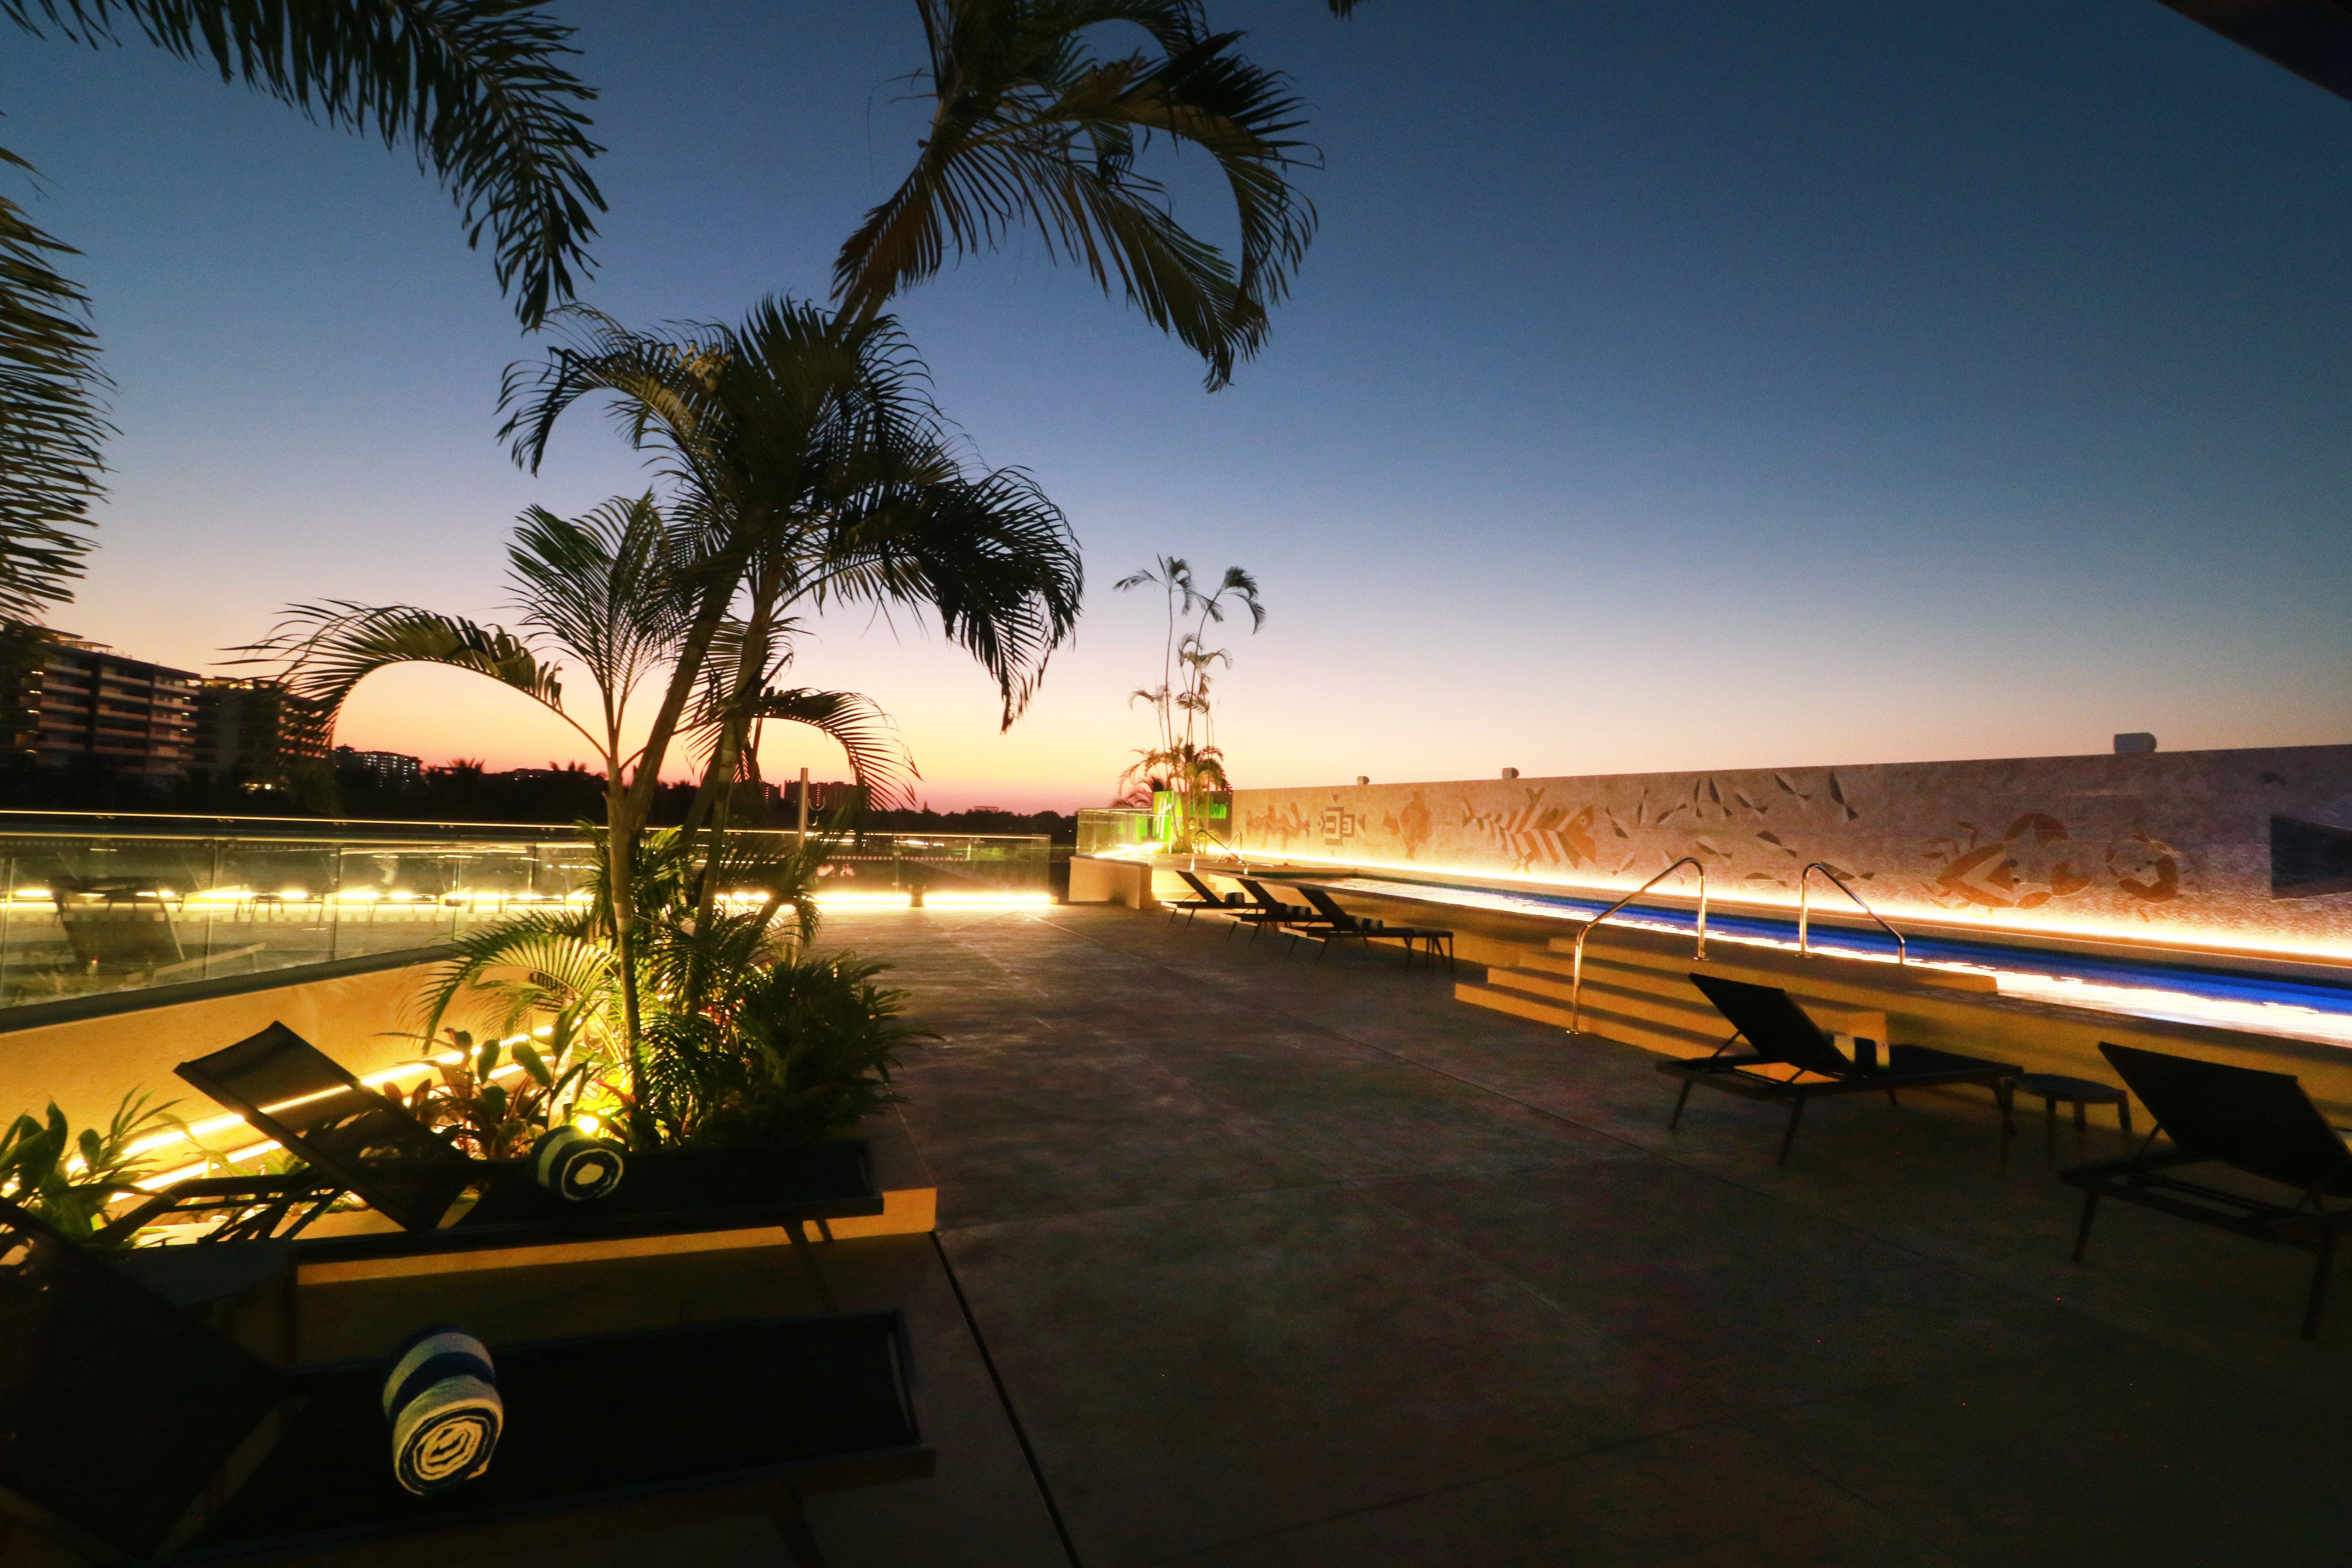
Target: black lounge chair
[[356, 1141], [1343, 924], [1205, 897], [2259, 1123], [1780, 1037], [130, 1431], [1265, 910]]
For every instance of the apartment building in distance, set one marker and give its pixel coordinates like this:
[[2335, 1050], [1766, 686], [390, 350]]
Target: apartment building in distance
[[71, 700], [257, 731], [395, 770]]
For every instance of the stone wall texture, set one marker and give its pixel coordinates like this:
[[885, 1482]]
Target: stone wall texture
[[2241, 847]]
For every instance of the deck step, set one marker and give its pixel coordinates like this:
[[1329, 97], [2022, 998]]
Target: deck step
[[1689, 1011], [1603, 1021]]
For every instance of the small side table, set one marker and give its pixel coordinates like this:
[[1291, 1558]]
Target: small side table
[[2051, 1087]]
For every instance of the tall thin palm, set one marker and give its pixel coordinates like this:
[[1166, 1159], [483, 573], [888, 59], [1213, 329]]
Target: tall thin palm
[[610, 594], [809, 465], [477, 87], [1033, 130]]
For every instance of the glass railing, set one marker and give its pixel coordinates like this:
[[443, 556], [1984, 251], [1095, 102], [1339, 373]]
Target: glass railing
[[87, 913], [1112, 830]]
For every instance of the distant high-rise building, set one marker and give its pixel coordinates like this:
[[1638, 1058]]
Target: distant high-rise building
[[257, 729], [70, 700], [397, 769], [825, 795]]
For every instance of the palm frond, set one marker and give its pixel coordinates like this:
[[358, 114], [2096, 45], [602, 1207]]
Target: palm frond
[[1032, 133], [52, 429], [478, 87], [325, 650], [879, 759]]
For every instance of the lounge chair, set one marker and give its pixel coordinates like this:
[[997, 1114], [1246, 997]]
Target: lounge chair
[[117, 924], [1343, 924], [1782, 1039], [1266, 910], [1205, 897], [355, 1141], [2259, 1123], [130, 1431]]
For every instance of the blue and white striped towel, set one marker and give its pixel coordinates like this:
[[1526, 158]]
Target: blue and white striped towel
[[442, 1400], [571, 1165]]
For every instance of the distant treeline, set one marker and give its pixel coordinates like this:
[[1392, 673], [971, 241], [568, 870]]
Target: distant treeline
[[461, 791]]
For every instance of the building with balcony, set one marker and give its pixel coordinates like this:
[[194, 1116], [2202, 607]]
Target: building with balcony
[[258, 729], [71, 700], [394, 770]]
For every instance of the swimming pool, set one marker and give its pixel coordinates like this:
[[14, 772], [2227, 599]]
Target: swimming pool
[[2300, 1009]]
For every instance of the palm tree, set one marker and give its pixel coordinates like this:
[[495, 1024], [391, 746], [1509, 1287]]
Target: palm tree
[[476, 87], [810, 467], [611, 594], [1032, 130], [1187, 757]]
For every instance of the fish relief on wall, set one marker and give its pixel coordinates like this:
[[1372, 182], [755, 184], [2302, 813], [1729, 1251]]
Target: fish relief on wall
[[1275, 824], [1410, 826], [1535, 835], [2037, 860]]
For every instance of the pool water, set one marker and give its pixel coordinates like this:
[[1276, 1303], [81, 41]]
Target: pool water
[[2301, 1009]]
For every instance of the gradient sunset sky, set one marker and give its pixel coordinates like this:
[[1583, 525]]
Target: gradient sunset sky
[[1679, 384]]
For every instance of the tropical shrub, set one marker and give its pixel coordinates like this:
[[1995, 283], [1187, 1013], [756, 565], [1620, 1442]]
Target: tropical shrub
[[68, 1178], [797, 1050], [464, 1101]]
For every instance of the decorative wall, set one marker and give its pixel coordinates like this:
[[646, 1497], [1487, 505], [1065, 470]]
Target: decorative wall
[[2242, 848]]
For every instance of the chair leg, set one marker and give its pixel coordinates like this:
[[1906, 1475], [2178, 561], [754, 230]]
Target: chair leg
[[1796, 1114], [2123, 1114], [1680, 1101], [2049, 1131], [2319, 1273], [1892, 1100], [2083, 1231], [791, 1519], [825, 1227], [797, 1234]]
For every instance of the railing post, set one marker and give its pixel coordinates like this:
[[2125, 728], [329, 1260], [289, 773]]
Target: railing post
[[1700, 956], [7, 909]]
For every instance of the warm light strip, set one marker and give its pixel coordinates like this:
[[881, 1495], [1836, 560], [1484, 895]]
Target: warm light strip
[[2286, 1018], [2130, 936], [196, 1131]]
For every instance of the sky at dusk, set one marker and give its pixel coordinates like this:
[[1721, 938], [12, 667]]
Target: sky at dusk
[[1678, 385]]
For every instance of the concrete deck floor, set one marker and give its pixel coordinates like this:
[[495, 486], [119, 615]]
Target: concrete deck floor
[[1283, 1262]]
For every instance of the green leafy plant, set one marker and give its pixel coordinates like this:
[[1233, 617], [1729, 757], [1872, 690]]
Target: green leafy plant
[[797, 1050], [489, 1120], [68, 1178]]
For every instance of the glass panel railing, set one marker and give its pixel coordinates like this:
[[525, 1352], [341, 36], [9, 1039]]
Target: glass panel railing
[[1111, 829], [82, 914]]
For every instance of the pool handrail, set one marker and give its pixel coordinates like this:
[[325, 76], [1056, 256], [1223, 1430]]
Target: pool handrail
[[1576, 954], [1805, 908]]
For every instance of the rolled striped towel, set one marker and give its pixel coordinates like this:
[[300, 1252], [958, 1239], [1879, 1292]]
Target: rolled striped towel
[[442, 1400], [571, 1165]]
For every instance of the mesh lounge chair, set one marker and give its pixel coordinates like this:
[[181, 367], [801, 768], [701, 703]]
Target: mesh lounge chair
[[1203, 897], [130, 1431], [355, 1141], [1266, 910], [2260, 1123], [1781, 1039], [116, 924], [1344, 924]]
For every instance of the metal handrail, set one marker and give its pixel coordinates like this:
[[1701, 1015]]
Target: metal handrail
[[1576, 967], [1805, 908]]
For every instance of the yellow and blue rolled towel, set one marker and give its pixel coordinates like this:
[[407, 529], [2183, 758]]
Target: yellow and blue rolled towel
[[571, 1165], [442, 1400]]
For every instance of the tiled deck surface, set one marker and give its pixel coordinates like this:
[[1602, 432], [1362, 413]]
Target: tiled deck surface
[[1287, 1263]]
